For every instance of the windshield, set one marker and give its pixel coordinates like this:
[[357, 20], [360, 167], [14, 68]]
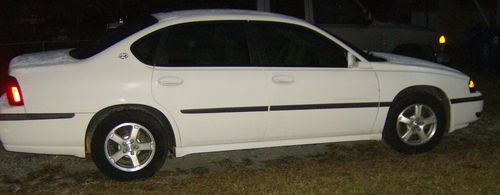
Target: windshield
[[96, 46]]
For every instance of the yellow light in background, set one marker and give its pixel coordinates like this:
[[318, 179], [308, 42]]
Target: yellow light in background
[[471, 84], [442, 39]]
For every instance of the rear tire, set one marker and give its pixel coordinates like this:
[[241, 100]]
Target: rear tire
[[129, 145], [415, 124]]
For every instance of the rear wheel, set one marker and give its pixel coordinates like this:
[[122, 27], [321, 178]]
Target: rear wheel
[[415, 124], [129, 145]]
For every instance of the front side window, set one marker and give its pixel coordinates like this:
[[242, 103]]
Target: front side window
[[338, 12], [295, 46], [204, 44]]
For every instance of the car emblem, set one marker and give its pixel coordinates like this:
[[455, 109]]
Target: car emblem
[[123, 55]]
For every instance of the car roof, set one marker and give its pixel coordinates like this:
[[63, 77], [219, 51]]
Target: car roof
[[225, 13]]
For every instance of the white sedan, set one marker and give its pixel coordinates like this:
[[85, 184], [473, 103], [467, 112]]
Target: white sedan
[[213, 80]]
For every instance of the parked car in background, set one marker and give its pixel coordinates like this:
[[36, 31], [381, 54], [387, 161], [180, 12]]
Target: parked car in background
[[213, 80], [350, 20]]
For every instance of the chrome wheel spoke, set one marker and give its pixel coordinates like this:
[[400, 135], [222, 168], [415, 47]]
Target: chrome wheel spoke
[[116, 138], [133, 132], [145, 146], [407, 135], [421, 135], [418, 110], [117, 156], [404, 119], [135, 160]]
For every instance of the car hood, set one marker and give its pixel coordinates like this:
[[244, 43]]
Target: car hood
[[402, 62], [48, 58]]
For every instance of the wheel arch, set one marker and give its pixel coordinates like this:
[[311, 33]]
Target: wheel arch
[[435, 92], [102, 114]]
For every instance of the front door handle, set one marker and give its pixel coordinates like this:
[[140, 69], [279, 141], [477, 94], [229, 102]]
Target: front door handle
[[283, 79], [170, 81]]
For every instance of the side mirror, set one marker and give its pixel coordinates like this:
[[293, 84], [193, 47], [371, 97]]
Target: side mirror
[[351, 60]]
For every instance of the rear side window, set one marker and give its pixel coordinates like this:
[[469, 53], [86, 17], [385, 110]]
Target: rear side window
[[295, 46], [145, 48], [205, 44]]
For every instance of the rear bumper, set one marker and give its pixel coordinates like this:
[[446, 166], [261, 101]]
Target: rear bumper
[[59, 133], [465, 111]]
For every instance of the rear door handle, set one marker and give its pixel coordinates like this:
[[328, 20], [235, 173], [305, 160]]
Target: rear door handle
[[283, 79], [170, 81]]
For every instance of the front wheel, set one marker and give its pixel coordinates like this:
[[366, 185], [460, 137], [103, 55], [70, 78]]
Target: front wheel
[[415, 124], [129, 145]]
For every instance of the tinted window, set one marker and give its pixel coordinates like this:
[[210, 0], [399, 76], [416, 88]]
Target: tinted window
[[295, 46], [210, 44], [289, 7], [338, 12], [145, 48], [109, 39]]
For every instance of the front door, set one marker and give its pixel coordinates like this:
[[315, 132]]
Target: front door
[[312, 91]]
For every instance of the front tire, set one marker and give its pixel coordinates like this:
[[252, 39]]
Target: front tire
[[415, 124], [129, 145]]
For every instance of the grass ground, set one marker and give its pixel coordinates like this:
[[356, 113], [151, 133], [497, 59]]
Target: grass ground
[[465, 162]]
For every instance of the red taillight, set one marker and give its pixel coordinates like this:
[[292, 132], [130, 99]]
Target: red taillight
[[14, 92]]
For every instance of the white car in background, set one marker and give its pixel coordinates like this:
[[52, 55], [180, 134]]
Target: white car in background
[[214, 80]]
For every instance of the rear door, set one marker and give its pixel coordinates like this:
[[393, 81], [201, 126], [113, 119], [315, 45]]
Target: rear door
[[204, 78], [312, 91]]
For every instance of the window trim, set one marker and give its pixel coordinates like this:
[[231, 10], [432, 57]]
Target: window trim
[[265, 61], [254, 51]]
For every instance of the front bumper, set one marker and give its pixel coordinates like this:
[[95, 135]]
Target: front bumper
[[466, 110], [44, 135]]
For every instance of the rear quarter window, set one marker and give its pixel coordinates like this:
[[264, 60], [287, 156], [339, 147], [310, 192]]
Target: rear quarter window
[[145, 48]]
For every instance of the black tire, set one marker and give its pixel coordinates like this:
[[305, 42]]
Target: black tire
[[155, 156], [396, 138]]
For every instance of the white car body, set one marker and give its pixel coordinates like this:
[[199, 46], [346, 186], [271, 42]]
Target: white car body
[[62, 95]]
